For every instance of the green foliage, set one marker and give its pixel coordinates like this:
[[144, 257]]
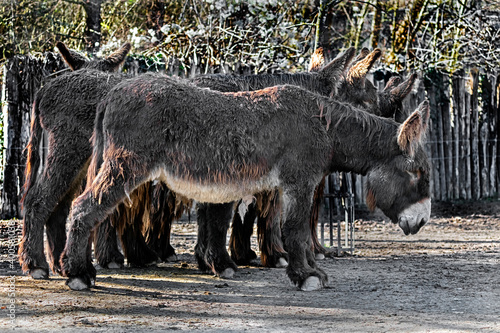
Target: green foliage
[[264, 34]]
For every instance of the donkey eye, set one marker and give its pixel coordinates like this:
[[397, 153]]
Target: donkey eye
[[414, 174]]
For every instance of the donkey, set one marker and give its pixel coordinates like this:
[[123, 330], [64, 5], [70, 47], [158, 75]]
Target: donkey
[[67, 113], [210, 249], [69, 151], [353, 88], [221, 147]]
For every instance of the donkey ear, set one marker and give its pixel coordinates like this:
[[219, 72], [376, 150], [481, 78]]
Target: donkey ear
[[317, 60], [413, 129], [362, 54], [392, 83], [117, 58], [334, 69], [357, 73], [74, 59], [402, 90]]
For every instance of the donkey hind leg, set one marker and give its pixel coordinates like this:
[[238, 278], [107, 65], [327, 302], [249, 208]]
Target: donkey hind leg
[[318, 249], [59, 180], [31, 251], [161, 217], [202, 239], [106, 249], [56, 232], [272, 251], [136, 250], [241, 233], [85, 214], [302, 269], [210, 250]]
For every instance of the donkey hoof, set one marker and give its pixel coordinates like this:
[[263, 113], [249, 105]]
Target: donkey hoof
[[172, 258], [77, 284], [39, 274], [319, 256], [114, 265], [311, 283], [282, 263], [228, 273]]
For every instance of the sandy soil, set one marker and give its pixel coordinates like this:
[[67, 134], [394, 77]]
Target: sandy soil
[[444, 279]]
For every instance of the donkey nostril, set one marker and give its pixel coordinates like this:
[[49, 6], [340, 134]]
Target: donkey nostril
[[422, 223]]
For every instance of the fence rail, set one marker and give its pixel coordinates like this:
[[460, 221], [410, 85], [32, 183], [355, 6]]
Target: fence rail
[[462, 142]]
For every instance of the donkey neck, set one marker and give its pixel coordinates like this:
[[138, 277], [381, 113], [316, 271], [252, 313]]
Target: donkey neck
[[360, 140]]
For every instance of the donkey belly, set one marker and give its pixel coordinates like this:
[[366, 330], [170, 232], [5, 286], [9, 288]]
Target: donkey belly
[[215, 192]]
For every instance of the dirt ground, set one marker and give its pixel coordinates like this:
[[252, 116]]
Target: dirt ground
[[444, 279]]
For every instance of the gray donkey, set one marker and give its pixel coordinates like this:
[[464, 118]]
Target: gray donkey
[[354, 88], [65, 116], [65, 108], [221, 147]]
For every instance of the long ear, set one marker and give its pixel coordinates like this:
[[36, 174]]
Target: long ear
[[403, 89], [357, 73], [392, 83], [362, 54], [334, 69], [413, 129], [116, 58], [317, 60], [74, 59]]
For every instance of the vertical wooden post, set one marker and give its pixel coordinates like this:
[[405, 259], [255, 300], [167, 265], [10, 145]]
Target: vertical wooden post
[[12, 128], [455, 86], [484, 136], [466, 142], [474, 130], [447, 135]]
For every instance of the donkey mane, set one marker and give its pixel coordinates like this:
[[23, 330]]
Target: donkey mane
[[235, 83]]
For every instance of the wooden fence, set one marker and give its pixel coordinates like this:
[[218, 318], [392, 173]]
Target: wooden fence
[[462, 141]]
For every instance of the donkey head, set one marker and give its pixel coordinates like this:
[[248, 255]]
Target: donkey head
[[331, 74], [76, 60], [401, 187], [391, 98], [354, 87]]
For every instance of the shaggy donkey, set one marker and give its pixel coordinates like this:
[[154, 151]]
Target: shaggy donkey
[[69, 150], [48, 195], [221, 147], [354, 88]]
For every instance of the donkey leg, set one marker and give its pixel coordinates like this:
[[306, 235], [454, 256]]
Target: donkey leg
[[136, 250], [241, 233], [106, 250], [213, 250], [202, 240], [57, 185], [302, 268], [86, 213], [56, 232], [160, 221], [31, 252], [272, 251], [318, 249]]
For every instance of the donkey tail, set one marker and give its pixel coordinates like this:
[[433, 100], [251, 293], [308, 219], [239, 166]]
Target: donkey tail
[[98, 144], [33, 149]]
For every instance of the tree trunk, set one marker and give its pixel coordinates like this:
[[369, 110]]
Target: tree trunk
[[93, 29]]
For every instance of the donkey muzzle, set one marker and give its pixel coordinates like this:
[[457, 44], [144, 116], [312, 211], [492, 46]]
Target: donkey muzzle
[[415, 216]]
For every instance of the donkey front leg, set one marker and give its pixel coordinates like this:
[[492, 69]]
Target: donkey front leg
[[210, 250], [85, 214], [302, 268]]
